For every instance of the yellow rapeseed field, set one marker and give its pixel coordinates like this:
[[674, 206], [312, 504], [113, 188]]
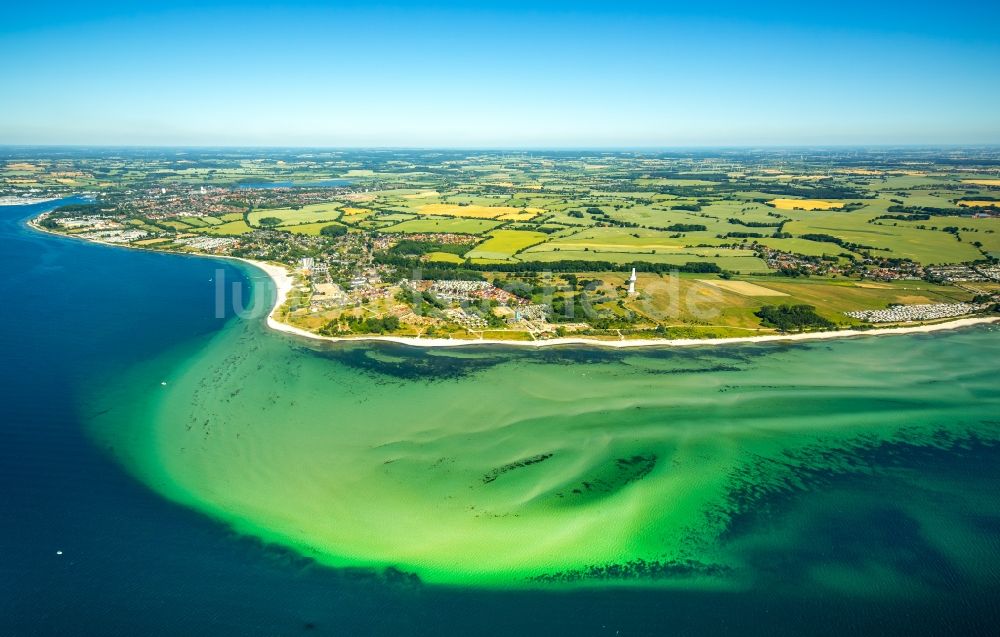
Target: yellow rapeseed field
[[806, 204]]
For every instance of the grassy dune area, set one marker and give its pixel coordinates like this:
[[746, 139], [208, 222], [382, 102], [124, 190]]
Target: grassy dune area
[[691, 299]]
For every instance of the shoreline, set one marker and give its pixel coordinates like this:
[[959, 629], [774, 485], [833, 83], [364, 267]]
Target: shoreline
[[282, 281], [14, 201]]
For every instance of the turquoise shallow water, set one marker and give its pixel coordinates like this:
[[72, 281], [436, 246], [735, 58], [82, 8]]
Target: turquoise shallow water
[[582, 467], [808, 489]]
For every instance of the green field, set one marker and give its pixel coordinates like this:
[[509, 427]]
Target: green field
[[984, 231], [460, 226], [229, 228], [306, 214], [504, 244], [312, 229], [176, 225], [692, 299], [900, 240], [745, 264], [444, 257]]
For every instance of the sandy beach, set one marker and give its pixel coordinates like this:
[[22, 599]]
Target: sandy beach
[[283, 284]]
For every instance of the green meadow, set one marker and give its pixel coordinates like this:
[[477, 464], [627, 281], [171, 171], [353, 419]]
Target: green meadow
[[292, 216]]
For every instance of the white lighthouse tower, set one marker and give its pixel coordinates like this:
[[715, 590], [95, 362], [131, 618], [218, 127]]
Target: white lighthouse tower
[[631, 284]]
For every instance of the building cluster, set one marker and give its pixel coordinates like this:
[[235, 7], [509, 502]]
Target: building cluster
[[533, 313], [473, 291], [533, 317], [98, 228], [446, 238], [964, 273], [163, 203], [912, 313], [166, 202], [214, 245], [384, 241], [328, 295], [459, 290], [991, 272], [368, 292], [867, 266], [366, 278], [91, 222], [905, 271], [465, 291], [124, 235], [469, 320], [791, 262]]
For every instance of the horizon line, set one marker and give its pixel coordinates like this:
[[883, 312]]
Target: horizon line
[[488, 148]]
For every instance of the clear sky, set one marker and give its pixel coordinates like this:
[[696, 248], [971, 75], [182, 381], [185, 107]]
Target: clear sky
[[500, 74]]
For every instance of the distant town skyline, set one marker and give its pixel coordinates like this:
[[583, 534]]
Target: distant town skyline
[[500, 75]]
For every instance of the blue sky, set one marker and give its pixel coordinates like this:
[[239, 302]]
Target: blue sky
[[500, 74]]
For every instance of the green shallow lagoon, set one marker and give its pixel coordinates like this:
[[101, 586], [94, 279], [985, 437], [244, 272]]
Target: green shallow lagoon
[[849, 465]]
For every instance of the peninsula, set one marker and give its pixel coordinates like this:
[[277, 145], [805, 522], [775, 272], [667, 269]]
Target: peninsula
[[621, 249]]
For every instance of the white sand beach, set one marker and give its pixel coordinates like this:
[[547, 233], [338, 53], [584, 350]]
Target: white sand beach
[[283, 284]]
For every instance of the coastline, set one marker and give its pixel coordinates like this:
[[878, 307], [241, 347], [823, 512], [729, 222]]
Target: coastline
[[13, 201], [282, 281], [283, 284]]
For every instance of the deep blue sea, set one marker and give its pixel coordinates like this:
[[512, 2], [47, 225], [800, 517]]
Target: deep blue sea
[[134, 564]]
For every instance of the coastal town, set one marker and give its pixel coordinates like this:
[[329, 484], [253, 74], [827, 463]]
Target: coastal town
[[546, 252]]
